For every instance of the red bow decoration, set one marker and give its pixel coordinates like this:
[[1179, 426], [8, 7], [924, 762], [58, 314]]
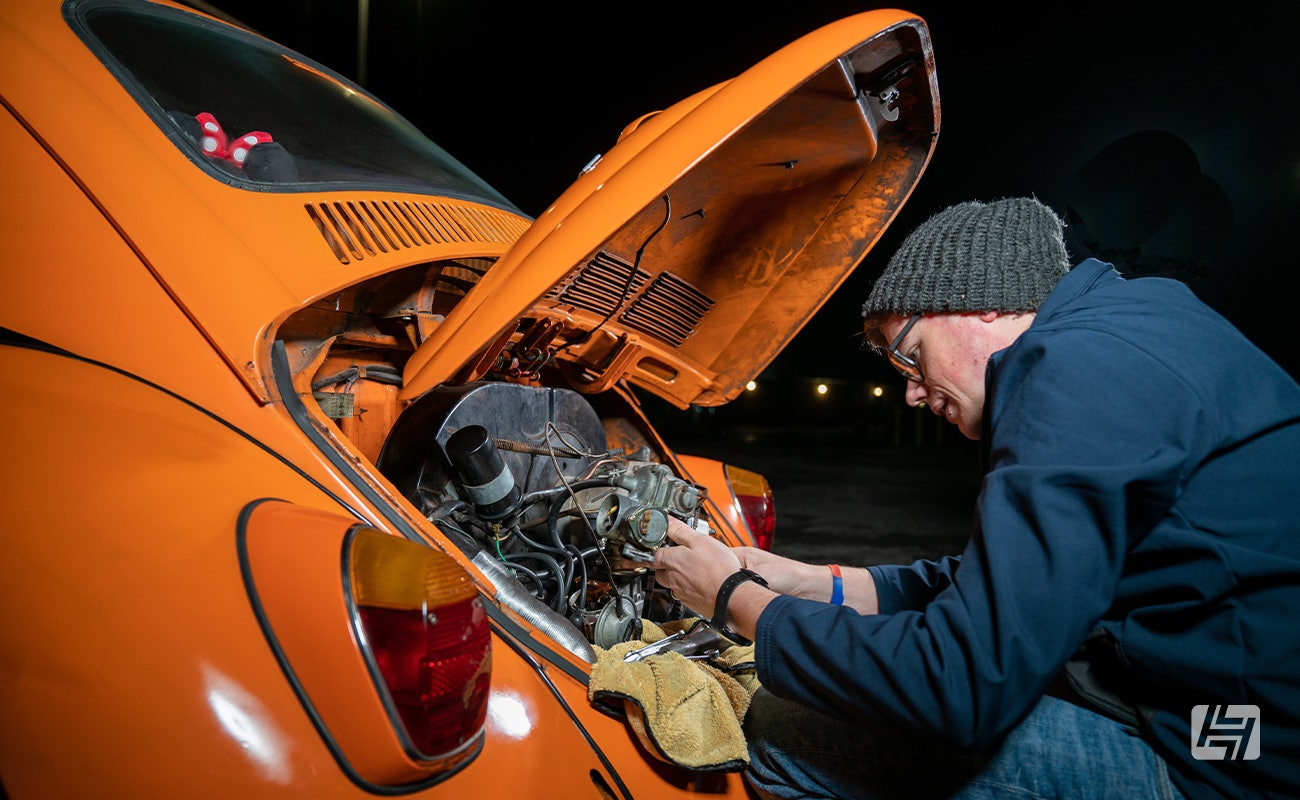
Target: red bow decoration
[[216, 145]]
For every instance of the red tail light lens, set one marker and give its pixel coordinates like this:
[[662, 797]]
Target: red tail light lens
[[423, 625], [754, 497]]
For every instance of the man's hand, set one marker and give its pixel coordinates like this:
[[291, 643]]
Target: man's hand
[[785, 575], [697, 565], [694, 572], [695, 568]]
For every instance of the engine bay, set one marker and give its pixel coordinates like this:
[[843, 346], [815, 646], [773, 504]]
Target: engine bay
[[526, 475], [560, 497]]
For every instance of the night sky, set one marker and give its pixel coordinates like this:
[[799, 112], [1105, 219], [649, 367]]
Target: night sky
[[1171, 141]]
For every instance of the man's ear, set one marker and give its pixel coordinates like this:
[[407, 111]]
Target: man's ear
[[989, 316]]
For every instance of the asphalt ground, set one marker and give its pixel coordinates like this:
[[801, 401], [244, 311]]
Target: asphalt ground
[[842, 499]]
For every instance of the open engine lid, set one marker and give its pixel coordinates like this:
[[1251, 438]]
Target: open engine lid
[[708, 236]]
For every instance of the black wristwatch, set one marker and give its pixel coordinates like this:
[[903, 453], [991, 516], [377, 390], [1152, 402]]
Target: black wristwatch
[[728, 586]]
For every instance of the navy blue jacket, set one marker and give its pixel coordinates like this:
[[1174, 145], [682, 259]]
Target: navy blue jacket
[[1142, 496]]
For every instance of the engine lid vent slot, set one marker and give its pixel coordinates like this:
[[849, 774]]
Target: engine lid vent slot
[[603, 284], [666, 307], [357, 229], [670, 308]]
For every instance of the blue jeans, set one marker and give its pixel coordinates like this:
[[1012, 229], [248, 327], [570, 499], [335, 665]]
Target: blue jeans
[[1060, 751]]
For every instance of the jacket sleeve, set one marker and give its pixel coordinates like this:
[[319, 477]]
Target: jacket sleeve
[[1077, 467], [899, 587]]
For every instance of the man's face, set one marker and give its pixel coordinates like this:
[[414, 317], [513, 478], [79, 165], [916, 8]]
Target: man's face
[[952, 351]]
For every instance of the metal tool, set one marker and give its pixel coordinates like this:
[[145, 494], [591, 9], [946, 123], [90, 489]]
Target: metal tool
[[701, 641]]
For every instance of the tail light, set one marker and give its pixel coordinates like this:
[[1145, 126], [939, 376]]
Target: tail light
[[385, 641], [754, 497], [426, 631]]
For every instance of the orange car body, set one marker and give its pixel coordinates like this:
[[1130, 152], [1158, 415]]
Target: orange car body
[[184, 483]]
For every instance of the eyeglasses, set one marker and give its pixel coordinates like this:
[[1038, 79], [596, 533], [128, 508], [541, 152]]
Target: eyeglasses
[[906, 367]]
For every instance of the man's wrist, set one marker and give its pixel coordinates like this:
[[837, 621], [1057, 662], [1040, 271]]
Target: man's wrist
[[723, 600], [857, 585], [748, 602]]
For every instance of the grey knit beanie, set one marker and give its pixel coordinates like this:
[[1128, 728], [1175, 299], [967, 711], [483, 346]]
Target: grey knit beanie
[[1006, 255]]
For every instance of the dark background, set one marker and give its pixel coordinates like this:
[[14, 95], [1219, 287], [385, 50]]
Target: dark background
[[1168, 138]]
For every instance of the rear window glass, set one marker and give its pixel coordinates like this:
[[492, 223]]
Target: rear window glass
[[255, 114]]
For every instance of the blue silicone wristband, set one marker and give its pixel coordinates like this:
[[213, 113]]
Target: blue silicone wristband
[[837, 585]]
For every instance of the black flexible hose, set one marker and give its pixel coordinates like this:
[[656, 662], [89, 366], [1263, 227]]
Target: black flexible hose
[[565, 576], [553, 515], [560, 574], [449, 507], [519, 569]]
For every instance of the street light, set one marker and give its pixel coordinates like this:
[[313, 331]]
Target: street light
[[363, 41]]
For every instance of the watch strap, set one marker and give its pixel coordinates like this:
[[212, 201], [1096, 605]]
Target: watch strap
[[728, 586]]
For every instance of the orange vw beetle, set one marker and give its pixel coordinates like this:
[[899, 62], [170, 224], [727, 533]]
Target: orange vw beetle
[[325, 472]]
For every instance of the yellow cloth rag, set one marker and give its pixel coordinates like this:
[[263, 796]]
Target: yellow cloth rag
[[686, 712]]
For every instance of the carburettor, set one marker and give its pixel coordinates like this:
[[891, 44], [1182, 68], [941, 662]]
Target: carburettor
[[637, 522]]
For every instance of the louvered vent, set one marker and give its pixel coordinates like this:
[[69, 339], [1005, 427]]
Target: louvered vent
[[358, 229], [670, 308], [667, 308], [601, 286]]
